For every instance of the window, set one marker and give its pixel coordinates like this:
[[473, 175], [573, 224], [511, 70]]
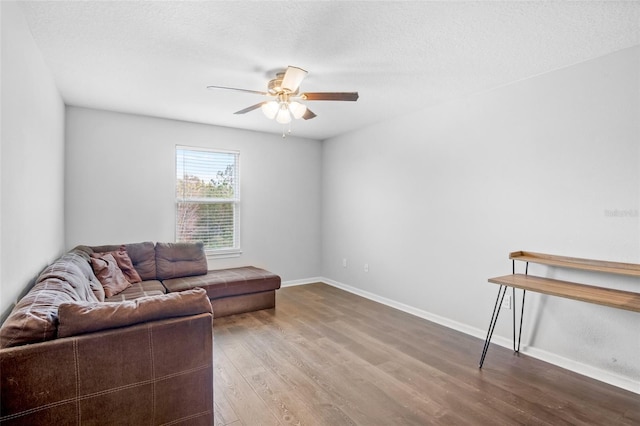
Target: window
[[208, 198]]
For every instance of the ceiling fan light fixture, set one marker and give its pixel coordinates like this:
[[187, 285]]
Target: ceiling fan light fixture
[[270, 109], [297, 109], [283, 116]]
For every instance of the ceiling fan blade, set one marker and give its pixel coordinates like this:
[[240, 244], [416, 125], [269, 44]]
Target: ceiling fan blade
[[330, 96], [239, 90], [249, 109], [292, 78], [308, 115]]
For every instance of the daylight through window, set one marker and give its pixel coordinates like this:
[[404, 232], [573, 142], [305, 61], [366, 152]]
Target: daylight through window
[[208, 198]]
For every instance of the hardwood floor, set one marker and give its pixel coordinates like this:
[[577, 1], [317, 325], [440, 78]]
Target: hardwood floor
[[328, 357]]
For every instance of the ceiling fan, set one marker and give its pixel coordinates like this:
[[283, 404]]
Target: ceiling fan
[[285, 103]]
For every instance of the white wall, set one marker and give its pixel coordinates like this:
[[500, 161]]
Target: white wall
[[121, 187], [434, 202], [32, 173]]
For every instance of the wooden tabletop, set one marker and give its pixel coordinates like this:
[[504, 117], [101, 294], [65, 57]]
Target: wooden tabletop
[[619, 268], [603, 296]]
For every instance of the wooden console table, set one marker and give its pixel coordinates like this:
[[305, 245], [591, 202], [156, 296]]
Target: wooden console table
[[603, 296]]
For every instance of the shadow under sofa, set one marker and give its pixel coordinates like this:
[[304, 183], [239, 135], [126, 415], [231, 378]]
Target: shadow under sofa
[[122, 368]]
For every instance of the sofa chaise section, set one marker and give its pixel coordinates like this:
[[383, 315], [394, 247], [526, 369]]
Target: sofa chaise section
[[233, 290]]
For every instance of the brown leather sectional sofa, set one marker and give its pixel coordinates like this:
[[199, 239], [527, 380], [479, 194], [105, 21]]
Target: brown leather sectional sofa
[[144, 358]]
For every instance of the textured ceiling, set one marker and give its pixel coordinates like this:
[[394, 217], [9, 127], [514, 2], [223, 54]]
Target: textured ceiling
[[156, 58]]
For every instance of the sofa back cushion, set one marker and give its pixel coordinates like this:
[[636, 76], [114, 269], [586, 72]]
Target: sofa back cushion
[[86, 317], [80, 259], [142, 255], [175, 260], [35, 316]]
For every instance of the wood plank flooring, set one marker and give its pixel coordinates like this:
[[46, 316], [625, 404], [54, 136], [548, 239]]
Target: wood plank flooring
[[328, 357]]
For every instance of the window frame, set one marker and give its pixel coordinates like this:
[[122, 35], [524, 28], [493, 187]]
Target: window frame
[[235, 201]]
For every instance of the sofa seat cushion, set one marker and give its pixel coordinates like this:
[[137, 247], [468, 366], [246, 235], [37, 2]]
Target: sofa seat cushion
[[136, 290], [228, 282], [86, 317]]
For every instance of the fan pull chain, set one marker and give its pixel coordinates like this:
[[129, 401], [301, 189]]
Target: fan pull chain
[[286, 131]]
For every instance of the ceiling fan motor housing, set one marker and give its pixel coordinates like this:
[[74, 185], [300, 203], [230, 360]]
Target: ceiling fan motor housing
[[275, 86]]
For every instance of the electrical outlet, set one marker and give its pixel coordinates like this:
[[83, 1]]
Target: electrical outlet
[[506, 301], [344, 262], [366, 267]]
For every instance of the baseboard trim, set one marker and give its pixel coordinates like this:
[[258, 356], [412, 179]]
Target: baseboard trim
[[568, 364], [292, 283]]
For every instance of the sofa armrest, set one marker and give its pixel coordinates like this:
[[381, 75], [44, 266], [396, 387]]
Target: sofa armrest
[[150, 373]]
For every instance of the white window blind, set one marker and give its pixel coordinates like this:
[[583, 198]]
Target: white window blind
[[208, 198]]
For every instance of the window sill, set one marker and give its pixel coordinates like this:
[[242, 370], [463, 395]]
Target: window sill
[[221, 254]]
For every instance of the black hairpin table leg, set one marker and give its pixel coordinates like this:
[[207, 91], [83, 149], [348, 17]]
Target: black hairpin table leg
[[494, 319]]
